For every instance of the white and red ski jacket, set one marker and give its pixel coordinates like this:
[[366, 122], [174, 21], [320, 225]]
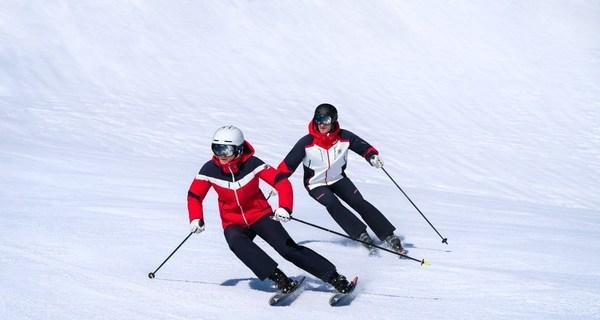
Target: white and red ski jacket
[[241, 201], [324, 156]]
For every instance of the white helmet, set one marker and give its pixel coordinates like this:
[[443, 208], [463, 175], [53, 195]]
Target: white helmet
[[228, 135], [228, 140]]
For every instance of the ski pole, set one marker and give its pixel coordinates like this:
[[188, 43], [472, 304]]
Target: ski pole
[[444, 240], [423, 261], [271, 193], [152, 274]]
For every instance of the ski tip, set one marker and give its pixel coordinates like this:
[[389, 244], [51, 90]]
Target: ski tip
[[354, 282], [425, 263]]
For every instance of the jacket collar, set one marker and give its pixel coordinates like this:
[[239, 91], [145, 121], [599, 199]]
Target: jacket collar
[[325, 140]]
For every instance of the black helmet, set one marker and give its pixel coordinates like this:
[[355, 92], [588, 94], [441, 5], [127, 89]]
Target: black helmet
[[325, 113]]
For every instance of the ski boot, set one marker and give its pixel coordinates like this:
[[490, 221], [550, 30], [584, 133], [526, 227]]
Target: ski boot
[[341, 284], [283, 283], [394, 242], [369, 243]]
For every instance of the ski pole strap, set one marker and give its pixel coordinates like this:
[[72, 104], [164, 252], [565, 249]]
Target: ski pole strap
[[423, 262]]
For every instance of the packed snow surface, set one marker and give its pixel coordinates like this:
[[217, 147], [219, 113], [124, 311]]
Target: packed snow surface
[[487, 113]]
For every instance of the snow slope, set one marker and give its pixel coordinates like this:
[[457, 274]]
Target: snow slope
[[487, 114]]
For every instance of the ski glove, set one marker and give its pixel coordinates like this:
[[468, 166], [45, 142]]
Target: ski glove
[[376, 161], [281, 215], [197, 226]]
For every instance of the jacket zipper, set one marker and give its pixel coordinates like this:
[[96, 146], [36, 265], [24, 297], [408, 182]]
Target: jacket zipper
[[238, 199], [328, 166]]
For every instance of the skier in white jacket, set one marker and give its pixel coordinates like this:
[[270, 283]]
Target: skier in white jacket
[[324, 155]]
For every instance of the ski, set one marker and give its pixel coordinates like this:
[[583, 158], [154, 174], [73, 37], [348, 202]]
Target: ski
[[282, 299], [338, 299]]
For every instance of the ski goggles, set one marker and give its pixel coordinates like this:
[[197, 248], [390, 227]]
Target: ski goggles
[[223, 150], [324, 119]]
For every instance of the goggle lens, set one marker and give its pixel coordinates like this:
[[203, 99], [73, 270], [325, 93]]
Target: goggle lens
[[323, 120], [223, 150]]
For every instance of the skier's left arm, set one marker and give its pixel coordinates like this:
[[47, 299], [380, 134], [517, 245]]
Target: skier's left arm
[[282, 185], [363, 148]]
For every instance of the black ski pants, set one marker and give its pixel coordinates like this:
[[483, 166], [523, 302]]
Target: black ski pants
[[353, 226], [240, 241]]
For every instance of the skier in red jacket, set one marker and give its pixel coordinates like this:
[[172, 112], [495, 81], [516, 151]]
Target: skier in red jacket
[[234, 173]]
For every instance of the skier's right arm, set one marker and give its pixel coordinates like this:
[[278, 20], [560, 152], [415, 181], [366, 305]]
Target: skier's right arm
[[198, 190], [293, 158]]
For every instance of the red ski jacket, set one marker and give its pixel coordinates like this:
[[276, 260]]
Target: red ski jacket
[[241, 201]]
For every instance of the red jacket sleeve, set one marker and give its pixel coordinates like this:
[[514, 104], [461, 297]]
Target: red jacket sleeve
[[279, 181], [196, 194]]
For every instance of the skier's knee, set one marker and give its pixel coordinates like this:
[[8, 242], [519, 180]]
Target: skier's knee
[[333, 206], [291, 247], [291, 243]]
